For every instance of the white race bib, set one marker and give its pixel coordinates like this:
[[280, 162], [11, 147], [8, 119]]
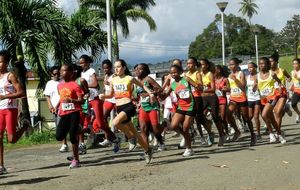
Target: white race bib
[[67, 106], [145, 99], [184, 94], [266, 92], [120, 87], [219, 93], [236, 91]]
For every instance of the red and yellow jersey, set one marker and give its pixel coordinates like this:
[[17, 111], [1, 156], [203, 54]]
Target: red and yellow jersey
[[236, 93], [122, 86], [184, 95], [266, 87]]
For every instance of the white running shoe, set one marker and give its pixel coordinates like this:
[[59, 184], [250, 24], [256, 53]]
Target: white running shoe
[[105, 143], [131, 146], [188, 152], [154, 142], [298, 119], [150, 137], [203, 140], [64, 148], [281, 139], [161, 147], [182, 142], [272, 138]]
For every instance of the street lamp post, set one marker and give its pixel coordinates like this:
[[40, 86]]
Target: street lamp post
[[108, 20], [222, 7], [256, 30]]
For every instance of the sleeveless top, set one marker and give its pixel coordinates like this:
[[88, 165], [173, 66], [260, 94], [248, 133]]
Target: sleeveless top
[[251, 95], [266, 87], [87, 75], [193, 76], [122, 86], [85, 104], [184, 95], [295, 81], [220, 84], [206, 80], [281, 77], [108, 90], [236, 93], [7, 88], [145, 101]]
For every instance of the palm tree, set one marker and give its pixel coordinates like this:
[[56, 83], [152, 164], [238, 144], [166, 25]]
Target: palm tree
[[121, 11], [248, 8], [30, 29]]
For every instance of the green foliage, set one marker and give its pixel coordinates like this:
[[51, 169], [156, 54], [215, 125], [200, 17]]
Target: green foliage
[[289, 37], [239, 39], [286, 63], [33, 139]]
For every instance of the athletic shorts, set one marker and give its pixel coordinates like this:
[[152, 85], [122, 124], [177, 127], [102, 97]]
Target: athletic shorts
[[189, 113], [150, 116], [69, 123], [239, 104], [8, 121], [295, 99], [108, 105], [129, 110], [252, 104]]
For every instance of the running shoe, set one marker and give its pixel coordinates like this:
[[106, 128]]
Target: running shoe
[[298, 119], [211, 137], [82, 148], [105, 143], [253, 139], [64, 148], [258, 138], [203, 140], [188, 152], [272, 138], [227, 138], [161, 147], [117, 144], [3, 170], [221, 141], [281, 139], [209, 143], [150, 137], [70, 158], [148, 155], [74, 164], [182, 143], [154, 142], [236, 136], [131, 146]]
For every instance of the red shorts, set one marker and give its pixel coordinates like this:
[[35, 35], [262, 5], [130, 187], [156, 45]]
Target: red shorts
[[222, 100], [151, 116], [84, 120], [174, 107], [8, 120], [108, 105]]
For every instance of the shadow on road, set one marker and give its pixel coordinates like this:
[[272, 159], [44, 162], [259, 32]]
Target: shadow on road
[[31, 181]]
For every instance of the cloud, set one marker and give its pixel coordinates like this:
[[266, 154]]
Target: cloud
[[180, 21]]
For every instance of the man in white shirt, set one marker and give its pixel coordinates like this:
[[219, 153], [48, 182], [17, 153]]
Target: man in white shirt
[[52, 97]]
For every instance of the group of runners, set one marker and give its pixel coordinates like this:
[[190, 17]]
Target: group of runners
[[186, 97]]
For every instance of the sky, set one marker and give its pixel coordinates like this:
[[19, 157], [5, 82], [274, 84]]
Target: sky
[[180, 21]]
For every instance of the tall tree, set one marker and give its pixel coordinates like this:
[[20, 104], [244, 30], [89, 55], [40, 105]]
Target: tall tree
[[248, 7], [29, 29], [121, 12], [290, 34]]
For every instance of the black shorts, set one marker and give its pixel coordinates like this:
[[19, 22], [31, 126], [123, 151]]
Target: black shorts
[[252, 104], [239, 104], [69, 124], [295, 99], [189, 113], [129, 110]]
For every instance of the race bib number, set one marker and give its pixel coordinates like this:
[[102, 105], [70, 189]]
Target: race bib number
[[266, 92], [236, 91], [145, 99], [184, 94], [120, 87], [219, 93], [67, 106]]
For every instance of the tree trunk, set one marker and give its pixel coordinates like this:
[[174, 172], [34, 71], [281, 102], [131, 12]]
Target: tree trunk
[[21, 72], [115, 41]]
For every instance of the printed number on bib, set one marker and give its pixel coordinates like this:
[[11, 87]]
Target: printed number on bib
[[67, 106], [266, 92], [120, 87], [184, 94], [236, 91], [219, 93]]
